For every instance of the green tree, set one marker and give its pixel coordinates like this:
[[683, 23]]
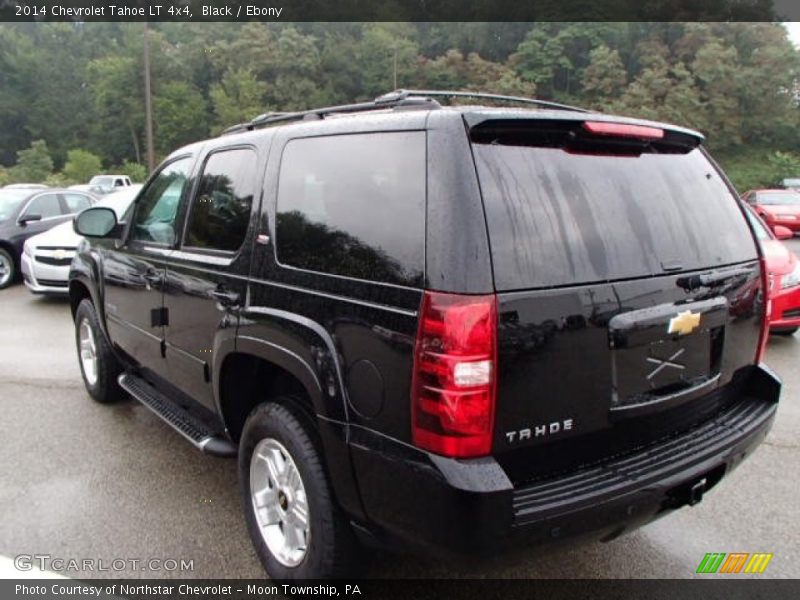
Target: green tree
[[136, 171], [605, 76], [34, 164], [116, 84], [179, 112], [238, 97], [81, 166]]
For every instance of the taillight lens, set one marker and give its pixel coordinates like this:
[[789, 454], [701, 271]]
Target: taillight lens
[[455, 364], [766, 294]]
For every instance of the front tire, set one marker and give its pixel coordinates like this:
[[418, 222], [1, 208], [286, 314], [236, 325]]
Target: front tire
[[99, 366], [8, 269], [296, 527]]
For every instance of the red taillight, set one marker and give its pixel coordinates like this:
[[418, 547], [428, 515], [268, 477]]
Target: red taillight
[[455, 361], [623, 130], [766, 294]]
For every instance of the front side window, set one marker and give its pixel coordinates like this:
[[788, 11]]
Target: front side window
[[154, 218], [46, 206], [354, 205], [220, 212]]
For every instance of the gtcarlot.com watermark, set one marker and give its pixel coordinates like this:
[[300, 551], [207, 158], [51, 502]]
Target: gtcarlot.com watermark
[[47, 562]]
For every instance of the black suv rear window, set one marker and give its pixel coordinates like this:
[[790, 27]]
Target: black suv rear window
[[559, 218]]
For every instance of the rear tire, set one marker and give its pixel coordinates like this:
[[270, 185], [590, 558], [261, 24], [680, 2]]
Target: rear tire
[[786, 332], [298, 531], [99, 367], [8, 269]]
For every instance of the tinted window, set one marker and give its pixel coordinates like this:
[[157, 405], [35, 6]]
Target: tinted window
[[354, 205], [220, 212], [47, 206], [77, 202], [559, 218], [154, 219]]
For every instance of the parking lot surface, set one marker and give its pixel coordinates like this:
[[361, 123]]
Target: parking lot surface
[[86, 481]]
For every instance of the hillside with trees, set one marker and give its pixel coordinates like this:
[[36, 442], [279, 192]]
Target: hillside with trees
[[72, 93]]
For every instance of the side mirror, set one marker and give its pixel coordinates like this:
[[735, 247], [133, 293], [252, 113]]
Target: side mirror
[[782, 233], [25, 219], [96, 222]]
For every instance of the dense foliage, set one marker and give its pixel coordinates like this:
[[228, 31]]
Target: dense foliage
[[80, 86]]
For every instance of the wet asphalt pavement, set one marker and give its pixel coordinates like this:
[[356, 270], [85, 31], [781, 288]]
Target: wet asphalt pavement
[[82, 480]]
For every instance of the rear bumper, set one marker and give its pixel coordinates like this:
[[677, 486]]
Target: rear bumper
[[470, 507], [785, 309]]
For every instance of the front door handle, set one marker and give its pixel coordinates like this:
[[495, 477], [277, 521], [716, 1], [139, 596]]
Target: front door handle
[[225, 297]]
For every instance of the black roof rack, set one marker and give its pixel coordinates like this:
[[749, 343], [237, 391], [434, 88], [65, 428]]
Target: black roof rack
[[396, 99], [402, 94]]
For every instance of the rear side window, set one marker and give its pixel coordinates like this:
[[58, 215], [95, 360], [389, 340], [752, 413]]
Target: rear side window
[[354, 205], [77, 202], [558, 218], [220, 213]]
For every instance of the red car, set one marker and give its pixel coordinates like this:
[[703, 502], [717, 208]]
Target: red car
[[776, 207], [783, 267]]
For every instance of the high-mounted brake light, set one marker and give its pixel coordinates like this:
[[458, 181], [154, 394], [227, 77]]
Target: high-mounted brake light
[[455, 364], [623, 130]]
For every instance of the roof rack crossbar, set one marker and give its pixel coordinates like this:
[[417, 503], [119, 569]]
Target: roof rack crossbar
[[397, 98], [457, 94]]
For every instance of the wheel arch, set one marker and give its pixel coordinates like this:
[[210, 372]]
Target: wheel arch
[[254, 371]]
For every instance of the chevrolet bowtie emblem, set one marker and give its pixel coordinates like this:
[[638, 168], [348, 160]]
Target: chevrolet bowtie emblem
[[686, 322]]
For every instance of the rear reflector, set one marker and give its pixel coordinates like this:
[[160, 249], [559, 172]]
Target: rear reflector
[[623, 130], [453, 389]]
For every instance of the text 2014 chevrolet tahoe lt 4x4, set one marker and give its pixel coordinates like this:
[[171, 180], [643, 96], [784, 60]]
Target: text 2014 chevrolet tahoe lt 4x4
[[455, 329]]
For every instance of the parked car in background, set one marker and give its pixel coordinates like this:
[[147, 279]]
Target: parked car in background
[[776, 207], [25, 186], [783, 267], [82, 187], [25, 212], [46, 257], [105, 184], [792, 183]]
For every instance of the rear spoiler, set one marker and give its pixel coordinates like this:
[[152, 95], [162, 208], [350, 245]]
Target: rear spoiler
[[592, 134]]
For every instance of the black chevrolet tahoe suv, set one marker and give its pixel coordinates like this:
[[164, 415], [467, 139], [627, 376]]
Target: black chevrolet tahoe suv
[[451, 328]]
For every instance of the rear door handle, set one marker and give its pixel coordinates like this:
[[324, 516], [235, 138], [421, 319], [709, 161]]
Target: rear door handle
[[225, 297]]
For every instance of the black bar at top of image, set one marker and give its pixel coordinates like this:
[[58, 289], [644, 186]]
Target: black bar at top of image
[[399, 10]]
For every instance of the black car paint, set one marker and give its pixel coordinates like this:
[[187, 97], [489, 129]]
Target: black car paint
[[332, 333]]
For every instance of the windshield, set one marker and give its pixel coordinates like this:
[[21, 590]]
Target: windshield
[[102, 181], [10, 201], [558, 218], [778, 198]]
